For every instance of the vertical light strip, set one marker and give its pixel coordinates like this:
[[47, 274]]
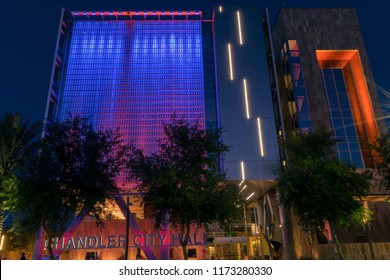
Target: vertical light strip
[[230, 62], [246, 100], [239, 26], [220, 9], [242, 170], [243, 188], [260, 137], [1, 243]]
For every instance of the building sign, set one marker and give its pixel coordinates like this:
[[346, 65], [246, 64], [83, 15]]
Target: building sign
[[118, 241]]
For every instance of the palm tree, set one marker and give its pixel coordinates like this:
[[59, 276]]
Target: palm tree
[[15, 137]]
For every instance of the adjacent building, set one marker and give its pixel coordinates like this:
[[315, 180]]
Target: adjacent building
[[323, 74], [321, 78]]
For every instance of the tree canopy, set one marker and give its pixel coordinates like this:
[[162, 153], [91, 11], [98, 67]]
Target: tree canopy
[[322, 190], [73, 173], [15, 138], [381, 149], [16, 141], [318, 186], [183, 183]]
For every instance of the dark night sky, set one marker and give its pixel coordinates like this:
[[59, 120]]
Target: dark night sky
[[28, 31]]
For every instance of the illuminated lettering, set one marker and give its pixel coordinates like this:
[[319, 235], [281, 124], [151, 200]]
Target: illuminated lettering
[[101, 245], [152, 236], [118, 241], [57, 241], [81, 243], [135, 240], [197, 242], [121, 242], [111, 241], [70, 244], [162, 238], [94, 243], [173, 239]]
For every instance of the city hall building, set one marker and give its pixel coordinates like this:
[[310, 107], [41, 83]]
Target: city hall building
[[228, 68]]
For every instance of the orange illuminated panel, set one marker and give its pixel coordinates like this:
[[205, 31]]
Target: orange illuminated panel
[[359, 96], [335, 55]]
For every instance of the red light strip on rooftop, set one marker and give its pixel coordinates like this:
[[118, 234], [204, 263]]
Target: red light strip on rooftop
[[135, 13]]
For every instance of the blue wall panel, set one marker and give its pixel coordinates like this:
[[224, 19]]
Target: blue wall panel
[[133, 75]]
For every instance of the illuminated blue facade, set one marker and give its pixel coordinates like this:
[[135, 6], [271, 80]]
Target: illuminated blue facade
[[133, 75], [133, 70]]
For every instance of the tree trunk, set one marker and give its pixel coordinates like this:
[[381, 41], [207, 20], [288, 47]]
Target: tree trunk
[[310, 240], [49, 247], [368, 232], [37, 247], [185, 253], [338, 253], [285, 220], [2, 218], [185, 234]]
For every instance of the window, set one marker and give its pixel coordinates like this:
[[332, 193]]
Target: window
[[91, 256]]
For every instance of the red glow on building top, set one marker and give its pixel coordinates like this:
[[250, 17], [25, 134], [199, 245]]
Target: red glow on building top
[[137, 15]]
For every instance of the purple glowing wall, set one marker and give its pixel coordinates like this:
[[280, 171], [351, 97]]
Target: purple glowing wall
[[133, 75]]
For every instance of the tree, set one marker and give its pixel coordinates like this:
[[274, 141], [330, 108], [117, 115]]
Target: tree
[[319, 187], [16, 138], [182, 183], [381, 148], [73, 174]]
